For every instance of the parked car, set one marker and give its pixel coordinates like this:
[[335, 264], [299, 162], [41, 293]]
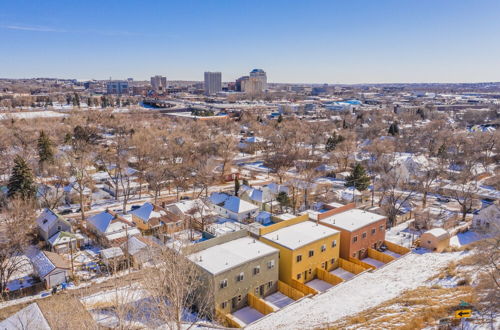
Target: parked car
[[66, 211], [443, 199]]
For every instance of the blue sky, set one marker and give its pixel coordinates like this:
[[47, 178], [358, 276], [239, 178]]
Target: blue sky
[[348, 41]]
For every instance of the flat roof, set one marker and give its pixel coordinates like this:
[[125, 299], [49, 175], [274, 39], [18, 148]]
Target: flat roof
[[353, 219], [222, 257], [300, 234]]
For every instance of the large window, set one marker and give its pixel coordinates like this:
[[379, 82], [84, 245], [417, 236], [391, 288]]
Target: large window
[[311, 253], [256, 270], [323, 248], [240, 277], [363, 235], [299, 258], [223, 283], [270, 264], [334, 243], [355, 239]]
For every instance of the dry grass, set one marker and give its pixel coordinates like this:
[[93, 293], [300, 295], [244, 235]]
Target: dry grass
[[414, 309]]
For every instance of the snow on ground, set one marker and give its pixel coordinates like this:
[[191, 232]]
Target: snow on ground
[[247, 315], [124, 295], [363, 292], [319, 285], [401, 235], [278, 300], [373, 262], [342, 273], [392, 254], [468, 237], [31, 115]]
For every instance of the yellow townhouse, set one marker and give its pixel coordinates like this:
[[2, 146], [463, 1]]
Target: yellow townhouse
[[305, 247]]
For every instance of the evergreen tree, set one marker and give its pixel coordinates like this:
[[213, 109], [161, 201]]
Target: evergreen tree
[[283, 199], [76, 100], [236, 186], [45, 152], [358, 178], [332, 141], [280, 118], [394, 129], [21, 183]]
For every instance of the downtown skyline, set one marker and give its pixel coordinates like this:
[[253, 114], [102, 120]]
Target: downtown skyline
[[315, 42]]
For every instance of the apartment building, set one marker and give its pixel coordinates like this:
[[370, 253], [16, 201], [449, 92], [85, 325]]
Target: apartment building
[[359, 230], [304, 246], [234, 265]]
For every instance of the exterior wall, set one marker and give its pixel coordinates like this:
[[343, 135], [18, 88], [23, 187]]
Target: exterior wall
[[432, 243], [56, 277], [359, 249], [55, 229], [290, 268], [140, 224], [236, 291]]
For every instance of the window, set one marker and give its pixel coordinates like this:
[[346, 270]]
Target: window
[[334, 243], [223, 283], [256, 290], [363, 235], [299, 275], [256, 270], [240, 277], [310, 271], [223, 305], [299, 258], [59, 228], [381, 227], [239, 297], [323, 248], [355, 239], [332, 261], [354, 255], [270, 264], [373, 231], [269, 284], [311, 253]]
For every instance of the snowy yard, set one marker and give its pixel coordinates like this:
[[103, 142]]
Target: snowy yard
[[401, 235], [392, 254], [363, 292], [373, 262], [468, 237], [247, 315], [342, 273], [278, 300], [319, 285]]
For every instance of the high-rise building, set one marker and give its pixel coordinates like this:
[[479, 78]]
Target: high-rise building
[[259, 74], [159, 83], [213, 82]]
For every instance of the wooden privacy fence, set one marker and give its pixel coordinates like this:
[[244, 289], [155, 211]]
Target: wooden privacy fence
[[327, 277], [290, 292], [302, 287], [259, 304], [361, 263], [385, 258], [227, 319], [351, 267], [396, 248]]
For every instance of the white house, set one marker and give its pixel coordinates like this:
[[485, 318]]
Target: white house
[[49, 223], [232, 207], [487, 218]]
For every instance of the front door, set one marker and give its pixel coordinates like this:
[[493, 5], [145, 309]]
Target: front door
[[261, 290]]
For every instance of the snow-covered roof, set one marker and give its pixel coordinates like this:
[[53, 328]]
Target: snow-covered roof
[[439, 233], [353, 219], [30, 317], [45, 262], [134, 245], [47, 219], [111, 252], [63, 237], [232, 203], [300, 234], [222, 257], [101, 221]]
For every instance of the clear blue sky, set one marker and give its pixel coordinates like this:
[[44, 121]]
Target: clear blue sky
[[348, 41]]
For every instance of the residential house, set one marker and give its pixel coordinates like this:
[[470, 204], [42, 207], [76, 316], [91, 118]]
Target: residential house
[[233, 266], [113, 258], [304, 247], [232, 207], [138, 249], [359, 229], [154, 219], [260, 197], [196, 211], [487, 218], [57, 232], [52, 268], [30, 317], [110, 229]]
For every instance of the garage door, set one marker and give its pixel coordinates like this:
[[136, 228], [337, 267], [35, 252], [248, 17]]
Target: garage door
[[57, 278]]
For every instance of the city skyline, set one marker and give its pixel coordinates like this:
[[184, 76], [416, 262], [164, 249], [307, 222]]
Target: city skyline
[[314, 42]]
